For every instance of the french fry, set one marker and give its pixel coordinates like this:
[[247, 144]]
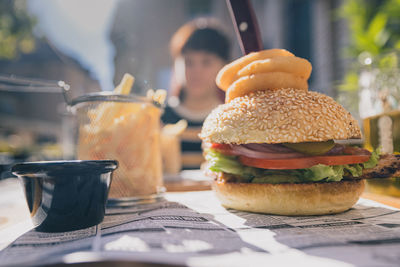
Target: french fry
[[124, 88], [170, 146], [174, 129], [159, 96], [150, 94], [128, 132], [107, 112]]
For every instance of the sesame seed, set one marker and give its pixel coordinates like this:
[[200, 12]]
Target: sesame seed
[[286, 115]]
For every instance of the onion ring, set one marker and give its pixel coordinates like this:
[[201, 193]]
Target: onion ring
[[294, 65], [245, 151], [264, 81], [228, 74]]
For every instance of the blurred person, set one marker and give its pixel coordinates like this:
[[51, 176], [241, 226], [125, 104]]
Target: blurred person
[[200, 48]]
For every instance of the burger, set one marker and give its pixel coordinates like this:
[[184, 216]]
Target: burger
[[281, 150]]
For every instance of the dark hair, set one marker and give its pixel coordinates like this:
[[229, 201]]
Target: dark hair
[[201, 35], [209, 40]]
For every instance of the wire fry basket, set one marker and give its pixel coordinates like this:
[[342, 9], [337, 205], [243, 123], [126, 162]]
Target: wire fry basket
[[124, 128]]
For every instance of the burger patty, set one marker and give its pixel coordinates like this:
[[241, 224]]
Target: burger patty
[[388, 167]]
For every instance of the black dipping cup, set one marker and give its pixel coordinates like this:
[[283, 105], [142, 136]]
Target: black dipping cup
[[66, 195]]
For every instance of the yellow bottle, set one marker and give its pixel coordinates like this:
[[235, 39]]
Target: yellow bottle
[[383, 131]]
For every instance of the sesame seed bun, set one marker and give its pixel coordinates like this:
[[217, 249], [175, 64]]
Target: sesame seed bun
[[290, 199], [279, 116]]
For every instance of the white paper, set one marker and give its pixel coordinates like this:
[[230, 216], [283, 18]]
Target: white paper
[[194, 229]]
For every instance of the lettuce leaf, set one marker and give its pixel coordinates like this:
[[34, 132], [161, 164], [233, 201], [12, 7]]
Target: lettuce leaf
[[229, 164], [320, 172], [219, 162], [373, 160]]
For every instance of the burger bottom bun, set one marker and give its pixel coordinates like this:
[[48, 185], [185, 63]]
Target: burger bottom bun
[[290, 199]]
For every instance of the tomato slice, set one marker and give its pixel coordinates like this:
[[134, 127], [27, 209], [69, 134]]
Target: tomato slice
[[352, 155], [302, 163], [225, 149]]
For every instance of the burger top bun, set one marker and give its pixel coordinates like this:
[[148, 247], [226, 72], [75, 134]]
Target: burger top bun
[[279, 116]]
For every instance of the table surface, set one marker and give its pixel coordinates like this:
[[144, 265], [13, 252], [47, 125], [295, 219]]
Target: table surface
[[15, 219], [189, 185]]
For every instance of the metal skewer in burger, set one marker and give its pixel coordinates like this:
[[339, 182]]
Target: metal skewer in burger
[[271, 146]]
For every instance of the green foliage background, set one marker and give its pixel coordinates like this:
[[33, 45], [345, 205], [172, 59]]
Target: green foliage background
[[16, 27], [374, 33]]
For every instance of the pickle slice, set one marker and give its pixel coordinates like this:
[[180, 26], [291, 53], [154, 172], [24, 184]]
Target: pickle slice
[[311, 148]]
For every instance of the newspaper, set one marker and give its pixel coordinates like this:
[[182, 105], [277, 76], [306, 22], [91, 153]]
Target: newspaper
[[193, 229]]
